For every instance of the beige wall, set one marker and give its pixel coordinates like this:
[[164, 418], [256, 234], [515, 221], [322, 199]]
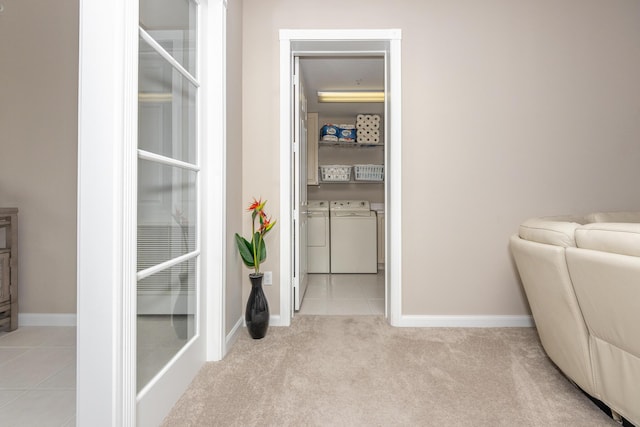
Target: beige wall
[[235, 202], [511, 109], [38, 139]]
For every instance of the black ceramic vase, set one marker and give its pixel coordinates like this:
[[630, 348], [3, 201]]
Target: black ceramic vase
[[257, 313]]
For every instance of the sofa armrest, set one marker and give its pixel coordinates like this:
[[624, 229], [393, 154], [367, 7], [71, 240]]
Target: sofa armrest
[[560, 325], [608, 291]]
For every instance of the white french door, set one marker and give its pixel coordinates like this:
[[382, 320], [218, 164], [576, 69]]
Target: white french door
[[168, 319], [148, 72]]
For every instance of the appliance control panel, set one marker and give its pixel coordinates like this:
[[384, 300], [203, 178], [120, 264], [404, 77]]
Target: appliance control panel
[[350, 205], [318, 205]]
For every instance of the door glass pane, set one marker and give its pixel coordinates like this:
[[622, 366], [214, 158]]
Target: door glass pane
[[167, 193], [166, 213], [166, 317], [166, 108], [176, 20]]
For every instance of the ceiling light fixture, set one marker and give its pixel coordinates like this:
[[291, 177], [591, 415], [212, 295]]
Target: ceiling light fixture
[[351, 96]]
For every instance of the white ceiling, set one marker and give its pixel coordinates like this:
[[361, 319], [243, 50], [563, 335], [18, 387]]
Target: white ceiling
[[342, 73]]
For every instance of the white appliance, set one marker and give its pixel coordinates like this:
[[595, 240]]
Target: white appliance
[[353, 237], [318, 238]]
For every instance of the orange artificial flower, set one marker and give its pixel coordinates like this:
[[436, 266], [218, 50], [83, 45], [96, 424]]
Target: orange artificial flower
[[254, 251]]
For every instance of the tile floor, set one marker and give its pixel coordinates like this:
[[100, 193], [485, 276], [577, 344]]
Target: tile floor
[[38, 376], [344, 294]]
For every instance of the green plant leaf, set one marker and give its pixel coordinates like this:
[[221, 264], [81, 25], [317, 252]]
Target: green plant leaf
[[263, 252], [262, 248], [246, 250]]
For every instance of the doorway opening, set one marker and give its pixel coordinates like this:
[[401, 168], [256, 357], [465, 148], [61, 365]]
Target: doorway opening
[[339, 50], [345, 194]]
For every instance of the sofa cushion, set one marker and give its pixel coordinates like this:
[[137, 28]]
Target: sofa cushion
[[629, 216], [617, 238], [556, 230]]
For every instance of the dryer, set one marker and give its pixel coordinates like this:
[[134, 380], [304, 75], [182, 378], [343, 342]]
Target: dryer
[[318, 238], [353, 237]]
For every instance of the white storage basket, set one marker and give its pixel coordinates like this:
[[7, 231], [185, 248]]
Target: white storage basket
[[335, 172], [369, 172]]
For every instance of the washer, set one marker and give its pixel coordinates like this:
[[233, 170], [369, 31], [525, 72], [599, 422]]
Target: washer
[[318, 242], [353, 237]]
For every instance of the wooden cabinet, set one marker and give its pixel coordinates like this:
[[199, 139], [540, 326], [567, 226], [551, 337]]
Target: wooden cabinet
[[9, 269]]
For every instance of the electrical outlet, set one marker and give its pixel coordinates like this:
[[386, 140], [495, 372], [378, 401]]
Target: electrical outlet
[[268, 278]]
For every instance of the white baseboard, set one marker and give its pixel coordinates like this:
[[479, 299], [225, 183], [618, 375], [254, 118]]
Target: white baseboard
[[47, 319], [274, 320], [421, 321], [232, 336]]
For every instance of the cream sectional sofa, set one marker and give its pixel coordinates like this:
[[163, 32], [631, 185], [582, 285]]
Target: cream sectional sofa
[[581, 276]]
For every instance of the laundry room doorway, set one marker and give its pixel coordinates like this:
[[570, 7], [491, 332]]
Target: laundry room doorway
[[344, 174], [346, 178]]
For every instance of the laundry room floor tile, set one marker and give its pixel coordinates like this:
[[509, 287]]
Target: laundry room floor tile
[[344, 294]]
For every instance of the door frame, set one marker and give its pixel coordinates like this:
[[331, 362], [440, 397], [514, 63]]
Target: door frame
[[344, 42]]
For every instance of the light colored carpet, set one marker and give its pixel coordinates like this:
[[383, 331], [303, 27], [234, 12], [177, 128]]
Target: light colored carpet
[[359, 371]]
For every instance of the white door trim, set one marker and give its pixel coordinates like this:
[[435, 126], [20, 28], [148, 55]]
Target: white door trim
[[290, 41], [107, 135], [214, 155]]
